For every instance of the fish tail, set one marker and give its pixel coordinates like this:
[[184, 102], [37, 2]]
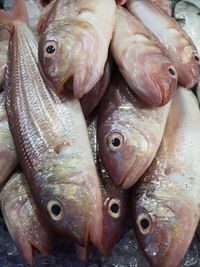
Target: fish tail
[[18, 13]]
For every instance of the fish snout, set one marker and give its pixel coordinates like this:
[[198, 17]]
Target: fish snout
[[162, 234], [189, 70]]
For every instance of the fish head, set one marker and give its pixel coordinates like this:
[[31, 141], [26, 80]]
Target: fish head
[[121, 151], [164, 226], [189, 69], [114, 216], [72, 203], [55, 52], [156, 81], [23, 220], [184, 10], [114, 199], [123, 147], [68, 57], [160, 78]]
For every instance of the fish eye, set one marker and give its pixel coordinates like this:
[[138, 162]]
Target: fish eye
[[54, 210], [144, 223], [114, 141], [114, 208], [50, 49], [172, 71], [196, 57]]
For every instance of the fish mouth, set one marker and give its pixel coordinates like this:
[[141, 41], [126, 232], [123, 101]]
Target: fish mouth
[[82, 213], [136, 171]]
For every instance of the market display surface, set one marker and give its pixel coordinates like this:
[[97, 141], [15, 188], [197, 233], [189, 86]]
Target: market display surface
[[99, 133]]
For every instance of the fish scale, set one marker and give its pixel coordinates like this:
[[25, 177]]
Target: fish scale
[[52, 143], [166, 197], [46, 108], [77, 30]]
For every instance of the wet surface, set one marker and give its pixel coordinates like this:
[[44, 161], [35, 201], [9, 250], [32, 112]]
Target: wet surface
[[126, 253]]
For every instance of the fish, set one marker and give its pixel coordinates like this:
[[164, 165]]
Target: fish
[[188, 16], [134, 45], [4, 39], [23, 220], [165, 202], [91, 100], [51, 140], [165, 5], [178, 44], [128, 133], [8, 155], [114, 199], [44, 14], [73, 46]]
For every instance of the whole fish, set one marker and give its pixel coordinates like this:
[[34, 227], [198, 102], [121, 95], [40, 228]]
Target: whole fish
[[90, 100], [51, 140], [22, 219], [166, 200], [73, 46], [180, 47], [114, 199], [8, 156], [165, 5], [187, 15], [133, 46], [129, 134]]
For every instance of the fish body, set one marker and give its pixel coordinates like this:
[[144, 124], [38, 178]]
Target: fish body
[[8, 156], [179, 46], [187, 15], [166, 199], [91, 100], [114, 200], [52, 143], [23, 220], [165, 5], [74, 43], [134, 45], [129, 134]]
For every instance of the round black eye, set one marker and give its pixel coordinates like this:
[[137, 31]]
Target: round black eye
[[114, 208], [196, 58], [50, 49], [144, 224], [114, 141], [172, 71], [56, 210]]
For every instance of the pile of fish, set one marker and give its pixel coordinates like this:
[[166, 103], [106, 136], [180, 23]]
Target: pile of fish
[[97, 115]]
